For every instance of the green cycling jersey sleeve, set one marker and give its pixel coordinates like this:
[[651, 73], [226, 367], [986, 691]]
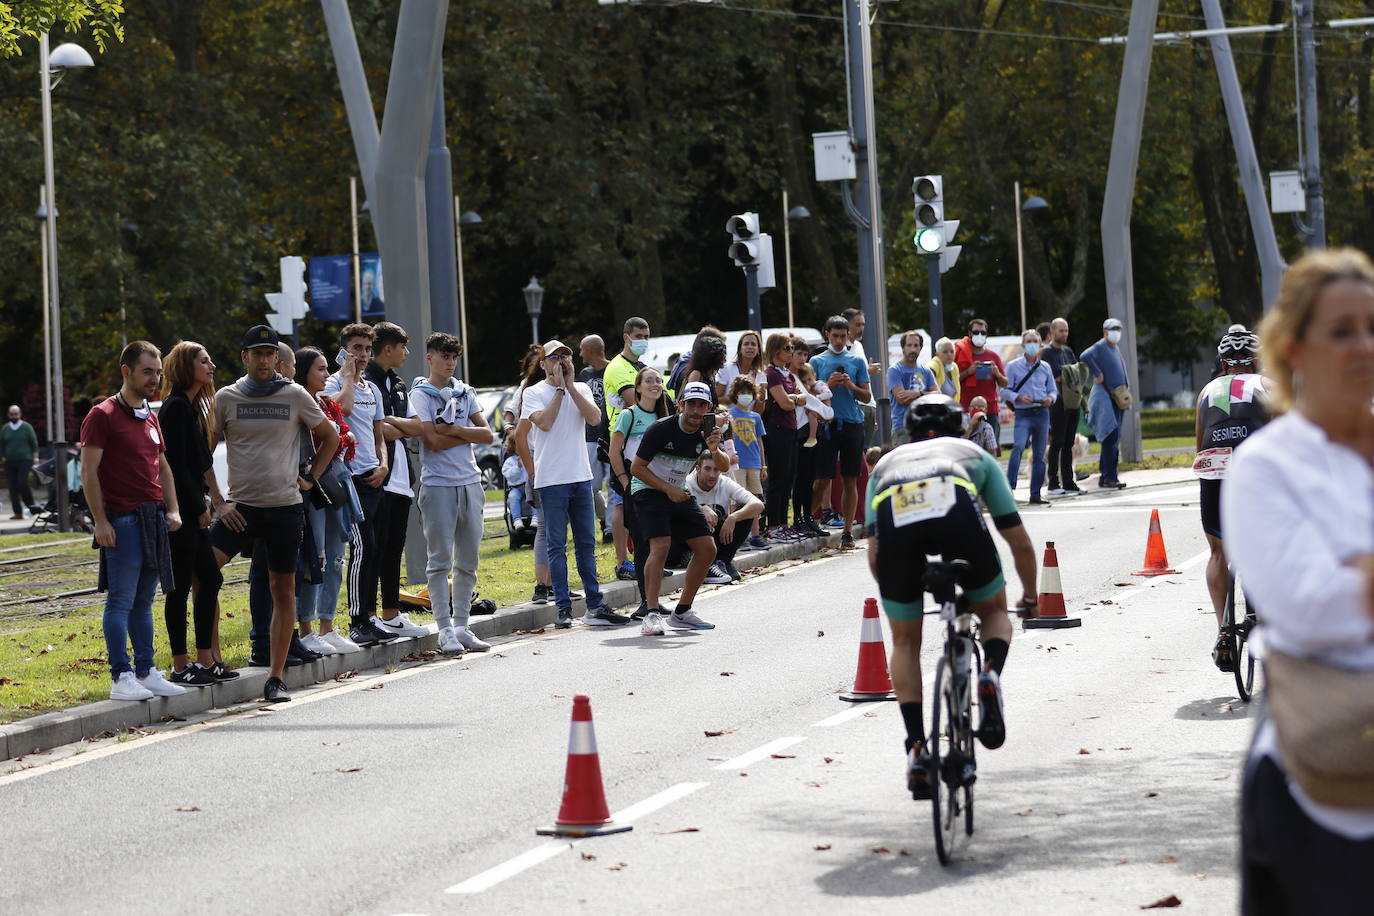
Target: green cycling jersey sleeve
[[991, 482]]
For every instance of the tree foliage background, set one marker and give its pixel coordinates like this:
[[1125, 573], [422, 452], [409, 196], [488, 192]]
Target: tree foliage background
[[605, 146]]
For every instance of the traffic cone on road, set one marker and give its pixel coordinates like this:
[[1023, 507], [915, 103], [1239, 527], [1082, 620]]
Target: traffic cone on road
[[1053, 615], [871, 681], [583, 812], [1156, 558]]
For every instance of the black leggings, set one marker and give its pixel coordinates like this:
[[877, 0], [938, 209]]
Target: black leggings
[[780, 448], [389, 531], [641, 543], [192, 557], [806, 477]]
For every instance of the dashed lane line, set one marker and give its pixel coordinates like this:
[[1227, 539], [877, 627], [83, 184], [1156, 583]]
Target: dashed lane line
[[758, 753], [840, 718]]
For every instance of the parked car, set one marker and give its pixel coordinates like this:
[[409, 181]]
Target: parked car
[[490, 457]]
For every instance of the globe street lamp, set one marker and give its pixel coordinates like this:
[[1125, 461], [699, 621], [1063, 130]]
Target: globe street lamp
[[471, 222], [798, 212], [534, 304], [1034, 203], [52, 67]]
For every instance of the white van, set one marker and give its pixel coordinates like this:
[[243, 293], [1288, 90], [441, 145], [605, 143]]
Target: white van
[[660, 348]]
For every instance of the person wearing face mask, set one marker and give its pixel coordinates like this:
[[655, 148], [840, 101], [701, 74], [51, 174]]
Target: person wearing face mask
[[620, 375], [981, 371], [747, 432], [1030, 392], [19, 448], [943, 368], [907, 379], [1109, 400]]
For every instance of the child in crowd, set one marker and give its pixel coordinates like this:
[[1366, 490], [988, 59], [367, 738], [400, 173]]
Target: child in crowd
[[817, 402], [513, 471], [873, 456], [746, 437], [979, 429]]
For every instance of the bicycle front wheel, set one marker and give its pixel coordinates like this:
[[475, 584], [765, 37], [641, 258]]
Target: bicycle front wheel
[[943, 797]]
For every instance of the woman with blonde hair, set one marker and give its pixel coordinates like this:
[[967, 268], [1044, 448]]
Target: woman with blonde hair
[[188, 402], [1302, 489]]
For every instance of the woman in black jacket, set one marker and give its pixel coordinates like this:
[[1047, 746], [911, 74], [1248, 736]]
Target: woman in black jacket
[[188, 396]]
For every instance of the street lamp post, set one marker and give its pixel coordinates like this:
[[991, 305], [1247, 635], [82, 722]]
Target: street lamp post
[[42, 217], [797, 212], [63, 57], [534, 304], [1035, 203], [472, 221]]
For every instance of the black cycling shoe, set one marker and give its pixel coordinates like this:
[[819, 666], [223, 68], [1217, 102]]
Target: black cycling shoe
[[918, 773], [1221, 654], [992, 729], [956, 771], [274, 691]]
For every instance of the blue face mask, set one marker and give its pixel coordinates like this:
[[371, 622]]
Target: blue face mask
[[1032, 349], [639, 347]]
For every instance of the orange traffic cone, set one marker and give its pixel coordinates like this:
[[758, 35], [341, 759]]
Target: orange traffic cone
[[1156, 558], [871, 681], [1053, 615], [583, 812]]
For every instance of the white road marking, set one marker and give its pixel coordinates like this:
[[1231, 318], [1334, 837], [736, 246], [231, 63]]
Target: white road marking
[[758, 753], [1185, 565], [542, 853], [1114, 510], [1193, 561], [840, 718]]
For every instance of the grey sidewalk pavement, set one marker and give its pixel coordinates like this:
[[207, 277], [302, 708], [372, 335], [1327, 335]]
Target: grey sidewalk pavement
[[108, 716]]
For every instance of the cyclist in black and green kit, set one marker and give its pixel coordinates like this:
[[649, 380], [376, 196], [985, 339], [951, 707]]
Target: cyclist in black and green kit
[[924, 498]]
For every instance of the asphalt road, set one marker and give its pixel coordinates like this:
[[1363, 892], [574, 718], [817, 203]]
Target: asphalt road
[[418, 792]]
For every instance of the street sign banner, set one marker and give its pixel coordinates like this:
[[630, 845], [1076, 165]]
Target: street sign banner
[[331, 287]]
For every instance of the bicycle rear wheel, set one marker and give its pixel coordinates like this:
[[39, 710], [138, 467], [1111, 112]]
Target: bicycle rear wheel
[[1241, 622], [943, 797]]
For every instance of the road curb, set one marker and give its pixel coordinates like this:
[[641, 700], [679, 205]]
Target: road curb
[[93, 720]]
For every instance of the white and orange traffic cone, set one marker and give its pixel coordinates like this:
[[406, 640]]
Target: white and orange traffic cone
[[1156, 558], [871, 681], [583, 812], [1053, 615]]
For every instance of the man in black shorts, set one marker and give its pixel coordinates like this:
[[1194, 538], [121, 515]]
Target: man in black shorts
[[263, 418], [666, 511], [1229, 408], [923, 499]]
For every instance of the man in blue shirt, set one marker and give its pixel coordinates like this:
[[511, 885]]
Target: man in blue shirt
[[1031, 392], [907, 379], [847, 376], [1104, 415]]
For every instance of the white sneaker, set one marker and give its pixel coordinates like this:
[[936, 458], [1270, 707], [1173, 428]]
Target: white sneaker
[[448, 642], [314, 643], [125, 687], [400, 625], [468, 640], [341, 644], [154, 682], [653, 624], [688, 620]]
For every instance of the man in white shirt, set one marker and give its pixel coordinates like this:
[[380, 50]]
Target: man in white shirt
[[728, 508], [554, 413], [362, 405]]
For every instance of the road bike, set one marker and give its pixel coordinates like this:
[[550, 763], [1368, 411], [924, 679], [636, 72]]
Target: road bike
[[951, 753], [1237, 626]]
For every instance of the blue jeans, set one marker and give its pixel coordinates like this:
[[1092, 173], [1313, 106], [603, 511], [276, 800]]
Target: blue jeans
[[129, 602], [1106, 466], [320, 601], [1033, 426], [560, 505]]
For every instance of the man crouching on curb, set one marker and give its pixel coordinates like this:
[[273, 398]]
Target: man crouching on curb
[[667, 454]]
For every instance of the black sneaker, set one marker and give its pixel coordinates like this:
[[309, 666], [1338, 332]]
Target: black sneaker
[[1221, 654], [564, 620], [918, 773], [259, 658], [846, 541], [572, 595], [603, 616], [192, 676], [1040, 501], [221, 673], [298, 650], [1072, 488], [992, 729], [640, 612], [364, 636], [541, 594], [730, 568], [274, 691]]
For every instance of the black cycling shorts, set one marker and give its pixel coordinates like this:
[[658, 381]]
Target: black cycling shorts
[[660, 517], [960, 534], [1211, 506], [278, 527], [844, 441]]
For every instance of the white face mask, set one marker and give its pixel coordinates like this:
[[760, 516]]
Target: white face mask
[[978, 339], [950, 367], [1032, 349], [1114, 336], [745, 400]]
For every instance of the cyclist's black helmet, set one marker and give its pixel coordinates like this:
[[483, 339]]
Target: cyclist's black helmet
[[934, 415], [1238, 343]]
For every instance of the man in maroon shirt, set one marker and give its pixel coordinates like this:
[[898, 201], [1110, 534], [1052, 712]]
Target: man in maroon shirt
[[981, 372], [133, 500]]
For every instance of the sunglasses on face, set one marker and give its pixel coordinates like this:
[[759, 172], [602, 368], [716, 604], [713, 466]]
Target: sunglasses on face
[[561, 356], [788, 347]]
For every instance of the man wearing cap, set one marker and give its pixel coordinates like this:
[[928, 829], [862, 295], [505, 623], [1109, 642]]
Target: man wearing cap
[[664, 507], [262, 419], [562, 479], [1109, 399]]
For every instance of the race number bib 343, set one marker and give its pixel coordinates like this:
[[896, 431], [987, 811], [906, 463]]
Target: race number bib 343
[[920, 500], [1210, 463]]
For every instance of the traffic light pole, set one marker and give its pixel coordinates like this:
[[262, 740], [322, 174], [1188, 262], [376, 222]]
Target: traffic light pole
[[751, 297], [937, 305]]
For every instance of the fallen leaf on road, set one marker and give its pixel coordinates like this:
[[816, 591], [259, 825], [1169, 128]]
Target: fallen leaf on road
[[1201, 876], [70, 637], [1024, 813], [828, 759], [559, 696], [345, 675], [1170, 900], [171, 719], [783, 756], [641, 752], [375, 687], [499, 655], [1052, 649], [189, 809], [1167, 860], [588, 857], [1084, 750], [617, 866], [820, 632], [1123, 861], [679, 830], [266, 709], [1121, 748], [717, 734], [1122, 584], [1151, 794], [530, 632], [821, 847], [727, 674], [347, 769], [1107, 601], [871, 715], [881, 849], [329, 743], [1221, 777], [536, 652], [815, 785], [904, 851]]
